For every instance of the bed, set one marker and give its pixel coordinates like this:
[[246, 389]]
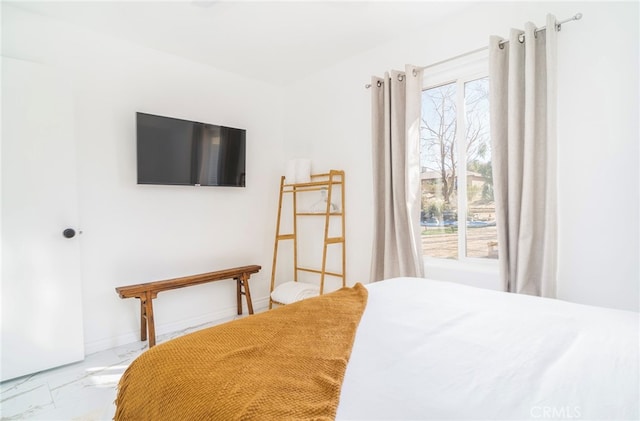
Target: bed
[[426, 349]]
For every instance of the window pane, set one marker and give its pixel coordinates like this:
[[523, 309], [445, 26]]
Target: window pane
[[482, 237], [438, 160]]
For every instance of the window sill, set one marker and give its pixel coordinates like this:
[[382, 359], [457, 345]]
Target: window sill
[[472, 272], [478, 264]]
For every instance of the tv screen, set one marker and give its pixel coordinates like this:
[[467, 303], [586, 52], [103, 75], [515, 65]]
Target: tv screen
[[180, 152]]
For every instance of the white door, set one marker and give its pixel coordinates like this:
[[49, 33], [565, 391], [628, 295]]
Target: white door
[[41, 320]]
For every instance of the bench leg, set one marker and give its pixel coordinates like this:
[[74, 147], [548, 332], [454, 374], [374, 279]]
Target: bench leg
[[239, 295], [247, 293], [143, 320], [150, 321], [243, 282]]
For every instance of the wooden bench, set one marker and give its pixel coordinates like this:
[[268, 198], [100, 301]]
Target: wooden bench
[[148, 291]]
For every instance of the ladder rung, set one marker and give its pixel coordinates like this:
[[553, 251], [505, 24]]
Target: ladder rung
[[338, 275], [319, 213], [286, 237], [334, 240], [313, 184]]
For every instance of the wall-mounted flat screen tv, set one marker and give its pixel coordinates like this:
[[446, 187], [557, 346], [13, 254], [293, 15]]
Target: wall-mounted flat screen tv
[[180, 152]]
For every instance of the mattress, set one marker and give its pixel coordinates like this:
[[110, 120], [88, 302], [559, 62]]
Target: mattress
[[428, 349]]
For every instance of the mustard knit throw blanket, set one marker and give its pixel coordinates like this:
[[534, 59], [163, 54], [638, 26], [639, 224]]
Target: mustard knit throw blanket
[[283, 364]]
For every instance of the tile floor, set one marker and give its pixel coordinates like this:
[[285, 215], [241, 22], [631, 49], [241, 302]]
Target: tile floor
[[83, 391]]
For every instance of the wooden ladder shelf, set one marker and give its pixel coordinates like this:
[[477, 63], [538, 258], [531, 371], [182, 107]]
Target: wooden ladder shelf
[[333, 183]]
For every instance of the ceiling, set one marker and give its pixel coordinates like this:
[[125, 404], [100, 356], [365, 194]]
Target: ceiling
[[273, 41]]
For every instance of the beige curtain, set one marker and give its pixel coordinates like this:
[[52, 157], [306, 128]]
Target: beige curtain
[[395, 118], [523, 132]]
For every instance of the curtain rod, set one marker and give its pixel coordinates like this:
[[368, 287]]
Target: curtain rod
[[577, 16]]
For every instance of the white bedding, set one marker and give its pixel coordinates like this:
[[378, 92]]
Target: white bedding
[[435, 350]]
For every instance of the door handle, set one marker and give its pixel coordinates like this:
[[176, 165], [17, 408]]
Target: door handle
[[69, 233]]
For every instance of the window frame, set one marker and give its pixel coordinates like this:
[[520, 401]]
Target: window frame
[[460, 71]]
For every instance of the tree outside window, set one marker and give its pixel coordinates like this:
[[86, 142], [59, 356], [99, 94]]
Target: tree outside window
[[458, 208]]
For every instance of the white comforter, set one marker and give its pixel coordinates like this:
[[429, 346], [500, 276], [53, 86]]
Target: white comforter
[[435, 350]]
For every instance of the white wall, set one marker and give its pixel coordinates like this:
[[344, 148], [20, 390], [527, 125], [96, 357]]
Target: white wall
[[328, 118], [135, 233]]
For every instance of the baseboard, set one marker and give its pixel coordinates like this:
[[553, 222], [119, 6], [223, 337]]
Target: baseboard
[[219, 316]]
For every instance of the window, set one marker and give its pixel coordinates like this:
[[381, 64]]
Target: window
[[458, 209]]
